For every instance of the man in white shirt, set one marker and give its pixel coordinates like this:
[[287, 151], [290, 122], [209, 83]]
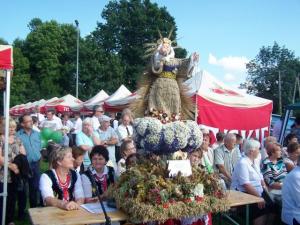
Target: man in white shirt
[[51, 122], [291, 197], [124, 131], [98, 112]]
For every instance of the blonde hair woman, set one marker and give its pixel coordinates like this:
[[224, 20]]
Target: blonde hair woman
[[15, 148], [61, 186]]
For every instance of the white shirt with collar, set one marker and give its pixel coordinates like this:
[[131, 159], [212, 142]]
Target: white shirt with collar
[[45, 186], [86, 183], [54, 124], [122, 133], [291, 197], [246, 172]]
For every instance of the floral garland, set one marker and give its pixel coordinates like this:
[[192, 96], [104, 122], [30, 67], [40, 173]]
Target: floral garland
[[146, 193], [160, 138]]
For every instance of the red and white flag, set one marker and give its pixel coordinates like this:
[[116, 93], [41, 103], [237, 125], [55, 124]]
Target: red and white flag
[[6, 57]]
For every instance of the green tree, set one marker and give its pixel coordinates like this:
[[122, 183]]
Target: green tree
[[263, 74], [98, 70], [21, 86], [129, 24], [51, 50]]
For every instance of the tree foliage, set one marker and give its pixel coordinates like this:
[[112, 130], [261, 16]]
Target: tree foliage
[[45, 61], [128, 26], [263, 74]]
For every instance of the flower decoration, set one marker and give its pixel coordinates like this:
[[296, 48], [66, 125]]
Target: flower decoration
[[154, 136], [146, 193]]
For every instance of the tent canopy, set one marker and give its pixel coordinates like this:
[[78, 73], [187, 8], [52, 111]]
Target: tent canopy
[[111, 104], [224, 108], [98, 99], [63, 104]]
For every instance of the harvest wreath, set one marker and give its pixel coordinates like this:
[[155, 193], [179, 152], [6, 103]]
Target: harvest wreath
[[146, 193]]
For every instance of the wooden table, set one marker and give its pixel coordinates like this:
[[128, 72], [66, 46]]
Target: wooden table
[[237, 198], [56, 216]]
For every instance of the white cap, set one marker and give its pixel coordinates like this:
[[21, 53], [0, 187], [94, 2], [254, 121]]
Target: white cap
[[104, 118]]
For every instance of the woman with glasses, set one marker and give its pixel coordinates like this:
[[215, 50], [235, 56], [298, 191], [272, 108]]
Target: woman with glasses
[[61, 186]]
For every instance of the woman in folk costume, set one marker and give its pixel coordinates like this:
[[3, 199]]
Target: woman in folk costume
[[162, 91], [61, 186]]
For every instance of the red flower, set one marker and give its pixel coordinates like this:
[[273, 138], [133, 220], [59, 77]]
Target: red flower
[[172, 201], [218, 194], [187, 200], [166, 205], [198, 199], [158, 200]]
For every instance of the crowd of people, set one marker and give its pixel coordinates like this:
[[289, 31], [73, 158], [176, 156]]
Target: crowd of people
[[95, 151]]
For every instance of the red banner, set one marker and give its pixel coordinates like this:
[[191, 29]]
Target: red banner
[[246, 121], [6, 59]]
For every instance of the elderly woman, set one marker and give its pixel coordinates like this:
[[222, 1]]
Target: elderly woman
[[98, 173], [61, 186], [293, 151], [273, 168], [15, 148], [247, 178], [87, 139]]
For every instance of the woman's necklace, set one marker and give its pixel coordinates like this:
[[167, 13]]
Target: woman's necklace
[[64, 185]]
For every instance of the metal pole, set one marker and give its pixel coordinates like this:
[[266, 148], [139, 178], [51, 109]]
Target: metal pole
[[4, 102], [294, 92], [77, 58], [298, 84], [279, 94], [7, 99]]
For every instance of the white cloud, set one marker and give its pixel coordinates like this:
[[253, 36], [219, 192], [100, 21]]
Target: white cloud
[[229, 63], [229, 77]]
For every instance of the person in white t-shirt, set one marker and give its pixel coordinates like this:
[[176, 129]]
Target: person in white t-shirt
[[77, 124], [51, 122], [98, 112], [61, 186]]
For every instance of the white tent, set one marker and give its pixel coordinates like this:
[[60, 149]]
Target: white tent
[[64, 103], [122, 92], [89, 105], [121, 103]]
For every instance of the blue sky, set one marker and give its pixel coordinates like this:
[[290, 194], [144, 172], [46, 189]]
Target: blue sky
[[226, 34]]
